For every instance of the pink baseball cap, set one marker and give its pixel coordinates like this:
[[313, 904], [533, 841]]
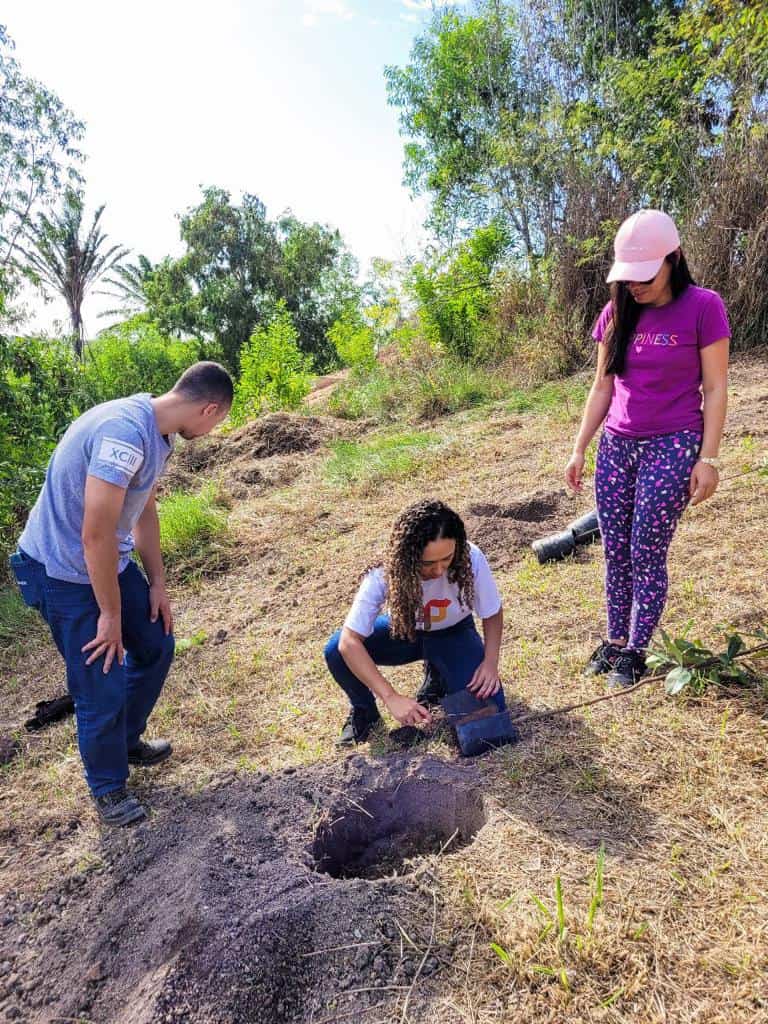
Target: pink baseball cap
[[641, 244]]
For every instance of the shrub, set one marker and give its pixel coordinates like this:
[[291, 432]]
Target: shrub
[[274, 373], [135, 356], [41, 390], [354, 340], [455, 297]]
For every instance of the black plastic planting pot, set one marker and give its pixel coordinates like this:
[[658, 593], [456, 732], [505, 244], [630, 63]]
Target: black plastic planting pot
[[555, 547], [559, 545], [585, 529]]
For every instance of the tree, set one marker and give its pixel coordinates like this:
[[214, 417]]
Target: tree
[[63, 261], [38, 155], [129, 286], [237, 268]]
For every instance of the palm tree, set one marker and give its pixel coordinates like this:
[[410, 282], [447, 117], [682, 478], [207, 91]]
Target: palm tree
[[128, 285], [62, 262]]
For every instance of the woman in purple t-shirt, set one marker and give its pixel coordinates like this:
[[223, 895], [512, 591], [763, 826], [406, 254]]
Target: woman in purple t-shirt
[[663, 345]]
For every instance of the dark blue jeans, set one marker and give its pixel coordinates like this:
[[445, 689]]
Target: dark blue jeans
[[112, 709], [455, 652]]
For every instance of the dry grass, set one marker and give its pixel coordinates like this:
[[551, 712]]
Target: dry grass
[[675, 790]]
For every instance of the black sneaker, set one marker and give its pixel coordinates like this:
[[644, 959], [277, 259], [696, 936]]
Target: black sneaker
[[602, 658], [432, 690], [358, 726], [118, 808], [628, 669], [149, 752]]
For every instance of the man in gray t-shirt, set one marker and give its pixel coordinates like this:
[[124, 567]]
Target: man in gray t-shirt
[[112, 625]]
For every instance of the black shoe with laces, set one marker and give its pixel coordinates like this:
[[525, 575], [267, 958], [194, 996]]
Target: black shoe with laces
[[602, 658], [628, 669], [432, 690], [149, 752], [358, 726], [118, 808]]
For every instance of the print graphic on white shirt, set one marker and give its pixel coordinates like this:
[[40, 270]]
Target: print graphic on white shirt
[[440, 608]]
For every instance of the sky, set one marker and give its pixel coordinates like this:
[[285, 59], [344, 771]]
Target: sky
[[282, 98]]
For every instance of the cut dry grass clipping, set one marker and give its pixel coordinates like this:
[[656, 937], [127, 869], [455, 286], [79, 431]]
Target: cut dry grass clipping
[[675, 789]]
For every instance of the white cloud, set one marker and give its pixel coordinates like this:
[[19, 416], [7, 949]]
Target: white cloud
[[409, 17], [315, 9]]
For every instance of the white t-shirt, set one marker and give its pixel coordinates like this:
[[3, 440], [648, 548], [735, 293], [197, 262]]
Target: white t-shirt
[[441, 607]]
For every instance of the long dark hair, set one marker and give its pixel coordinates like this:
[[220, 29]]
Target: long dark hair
[[626, 312], [414, 528]]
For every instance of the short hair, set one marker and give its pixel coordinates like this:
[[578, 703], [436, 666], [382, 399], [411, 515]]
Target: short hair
[[206, 382]]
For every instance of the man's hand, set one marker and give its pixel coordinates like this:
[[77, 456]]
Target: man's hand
[[485, 682], [159, 604], [108, 641], [407, 711]]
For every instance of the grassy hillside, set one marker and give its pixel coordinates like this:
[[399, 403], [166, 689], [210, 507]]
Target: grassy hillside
[[674, 790]]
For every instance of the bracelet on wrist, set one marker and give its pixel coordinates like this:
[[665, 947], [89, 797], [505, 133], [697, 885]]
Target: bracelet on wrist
[[710, 461]]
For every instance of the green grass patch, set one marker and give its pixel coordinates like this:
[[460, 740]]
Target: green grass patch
[[416, 392], [563, 397], [16, 619], [381, 458], [193, 528]]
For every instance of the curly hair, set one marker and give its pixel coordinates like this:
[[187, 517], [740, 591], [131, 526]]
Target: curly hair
[[414, 528]]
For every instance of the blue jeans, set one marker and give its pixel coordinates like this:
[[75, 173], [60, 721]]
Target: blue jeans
[[455, 652], [112, 709]]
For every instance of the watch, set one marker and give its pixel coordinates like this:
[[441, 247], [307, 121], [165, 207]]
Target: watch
[[709, 461]]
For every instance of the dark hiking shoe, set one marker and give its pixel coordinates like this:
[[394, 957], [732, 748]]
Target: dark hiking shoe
[[602, 658], [628, 669], [432, 690], [149, 752], [358, 726], [118, 808]]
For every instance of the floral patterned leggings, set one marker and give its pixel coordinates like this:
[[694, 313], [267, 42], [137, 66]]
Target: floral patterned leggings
[[642, 490]]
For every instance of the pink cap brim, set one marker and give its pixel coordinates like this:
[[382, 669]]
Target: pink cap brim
[[634, 271]]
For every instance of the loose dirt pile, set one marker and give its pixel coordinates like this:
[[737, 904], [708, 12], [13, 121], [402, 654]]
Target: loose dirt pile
[[256, 454], [504, 530], [250, 903]]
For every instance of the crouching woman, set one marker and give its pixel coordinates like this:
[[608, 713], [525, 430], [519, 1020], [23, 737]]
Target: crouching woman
[[433, 580]]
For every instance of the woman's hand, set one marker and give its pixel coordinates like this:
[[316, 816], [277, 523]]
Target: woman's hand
[[485, 682], [407, 711], [704, 481], [574, 471]]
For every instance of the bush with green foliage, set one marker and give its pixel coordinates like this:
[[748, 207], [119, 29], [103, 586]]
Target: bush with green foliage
[[134, 356], [274, 373], [455, 295], [42, 389], [353, 339]]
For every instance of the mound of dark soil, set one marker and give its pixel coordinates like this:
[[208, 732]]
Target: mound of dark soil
[[504, 530], [249, 903], [253, 457]]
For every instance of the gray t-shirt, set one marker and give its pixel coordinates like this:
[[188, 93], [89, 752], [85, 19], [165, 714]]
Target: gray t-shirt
[[116, 441]]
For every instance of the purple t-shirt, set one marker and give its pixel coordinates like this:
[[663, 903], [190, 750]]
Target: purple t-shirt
[[659, 391]]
